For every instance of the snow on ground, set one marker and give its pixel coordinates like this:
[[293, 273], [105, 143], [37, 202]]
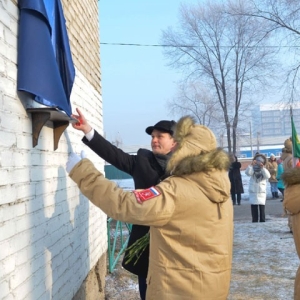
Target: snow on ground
[[264, 261]]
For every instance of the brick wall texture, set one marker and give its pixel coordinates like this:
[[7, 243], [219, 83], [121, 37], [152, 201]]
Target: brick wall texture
[[51, 238]]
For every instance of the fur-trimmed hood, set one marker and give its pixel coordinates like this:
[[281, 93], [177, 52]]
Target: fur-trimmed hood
[[196, 150], [291, 176]]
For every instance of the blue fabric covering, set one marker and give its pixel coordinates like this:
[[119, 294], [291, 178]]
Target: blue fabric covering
[[45, 65]]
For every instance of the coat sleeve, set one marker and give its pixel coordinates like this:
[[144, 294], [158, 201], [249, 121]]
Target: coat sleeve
[[266, 173], [279, 172], [292, 198], [117, 203], [249, 170], [110, 153]]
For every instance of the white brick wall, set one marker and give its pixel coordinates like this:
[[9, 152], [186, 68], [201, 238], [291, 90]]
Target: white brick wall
[[50, 235]]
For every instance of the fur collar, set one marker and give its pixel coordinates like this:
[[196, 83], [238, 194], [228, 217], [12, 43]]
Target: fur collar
[[204, 162], [291, 176]]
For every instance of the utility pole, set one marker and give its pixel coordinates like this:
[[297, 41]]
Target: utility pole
[[221, 140], [251, 139]]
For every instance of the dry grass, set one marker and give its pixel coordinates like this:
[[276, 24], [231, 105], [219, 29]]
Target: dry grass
[[121, 285]]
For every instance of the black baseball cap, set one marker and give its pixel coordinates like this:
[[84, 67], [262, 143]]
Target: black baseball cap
[[163, 126]]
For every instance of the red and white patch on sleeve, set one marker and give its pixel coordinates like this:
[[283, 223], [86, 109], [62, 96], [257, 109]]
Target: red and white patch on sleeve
[[144, 195]]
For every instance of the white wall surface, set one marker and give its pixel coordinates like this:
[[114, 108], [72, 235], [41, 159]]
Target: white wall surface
[[50, 235]]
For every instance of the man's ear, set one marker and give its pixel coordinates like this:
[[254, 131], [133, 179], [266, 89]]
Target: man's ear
[[173, 145]]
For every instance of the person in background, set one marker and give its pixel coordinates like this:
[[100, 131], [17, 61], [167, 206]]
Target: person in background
[[258, 186], [280, 184], [287, 154], [147, 168], [287, 162], [272, 168], [236, 182], [291, 179], [190, 215]]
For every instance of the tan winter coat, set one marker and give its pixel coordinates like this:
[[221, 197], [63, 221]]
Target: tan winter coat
[[291, 179], [272, 168], [287, 160], [191, 221], [287, 163]]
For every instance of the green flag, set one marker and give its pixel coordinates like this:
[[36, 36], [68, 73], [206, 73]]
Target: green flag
[[295, 140]]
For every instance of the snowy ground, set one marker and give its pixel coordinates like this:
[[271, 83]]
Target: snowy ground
[[264, 261], [263, 268]]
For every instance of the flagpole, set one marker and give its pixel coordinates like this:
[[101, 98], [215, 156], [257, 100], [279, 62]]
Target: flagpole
[[291, 115], [294, 139]]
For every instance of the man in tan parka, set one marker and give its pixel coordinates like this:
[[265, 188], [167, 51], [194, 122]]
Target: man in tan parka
[[190, 215], [291, 203], [287, 163]]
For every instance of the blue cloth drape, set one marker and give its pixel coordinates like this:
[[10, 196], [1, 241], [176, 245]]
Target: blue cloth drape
[[45, 65]]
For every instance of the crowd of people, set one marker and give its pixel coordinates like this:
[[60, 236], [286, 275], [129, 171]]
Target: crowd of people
[[283, 175], [185, 189]]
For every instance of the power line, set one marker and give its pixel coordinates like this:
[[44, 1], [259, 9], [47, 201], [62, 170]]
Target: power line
[[187, 46], [139, 45]]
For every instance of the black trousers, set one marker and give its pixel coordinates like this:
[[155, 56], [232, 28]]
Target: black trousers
[[281, 191], [236, 197], [254, 212], [142, 287]]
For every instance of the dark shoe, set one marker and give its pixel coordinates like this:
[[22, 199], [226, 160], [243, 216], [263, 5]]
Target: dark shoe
[[281, 200]]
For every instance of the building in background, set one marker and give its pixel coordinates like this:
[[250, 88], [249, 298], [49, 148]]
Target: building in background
[[265, 131], [274, 120], [270, 126]]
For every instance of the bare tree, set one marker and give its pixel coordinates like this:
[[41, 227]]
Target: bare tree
[[283, 21], [281, 14], [227, 53], [194, 99]]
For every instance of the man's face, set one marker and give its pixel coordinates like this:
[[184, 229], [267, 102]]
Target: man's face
[[162, 142]]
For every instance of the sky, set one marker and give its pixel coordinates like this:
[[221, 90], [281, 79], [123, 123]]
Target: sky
[[136, 81]]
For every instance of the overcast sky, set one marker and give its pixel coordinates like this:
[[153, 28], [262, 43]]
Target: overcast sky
[[136, 82]]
